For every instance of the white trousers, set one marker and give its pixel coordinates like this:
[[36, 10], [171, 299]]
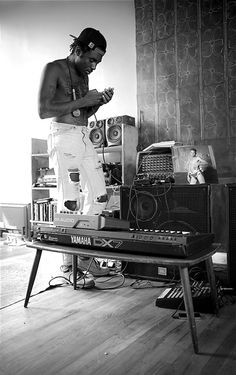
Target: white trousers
[[197, 177], [73, 154]]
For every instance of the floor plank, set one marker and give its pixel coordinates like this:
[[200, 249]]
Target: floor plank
[[114, 332]]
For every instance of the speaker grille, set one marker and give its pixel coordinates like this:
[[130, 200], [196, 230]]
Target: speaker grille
[[114, 134], [97, 137], [167, 207]]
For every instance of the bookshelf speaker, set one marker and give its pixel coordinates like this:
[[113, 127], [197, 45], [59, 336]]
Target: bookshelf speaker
[[97, 133], [114, 129]]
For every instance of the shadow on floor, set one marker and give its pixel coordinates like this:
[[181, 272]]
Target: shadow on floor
[[16, 264]]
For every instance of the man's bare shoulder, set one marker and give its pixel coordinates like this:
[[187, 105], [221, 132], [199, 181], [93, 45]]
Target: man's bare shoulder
[[56, 65]]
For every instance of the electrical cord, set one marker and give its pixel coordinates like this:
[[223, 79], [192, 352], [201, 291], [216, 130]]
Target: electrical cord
[[41, 291], [100, 281], [143, 283], [67, 281]]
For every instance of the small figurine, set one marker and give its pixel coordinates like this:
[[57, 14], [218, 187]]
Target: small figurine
[[196, 166]]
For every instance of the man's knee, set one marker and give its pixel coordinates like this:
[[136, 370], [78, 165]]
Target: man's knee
[[71, 205], [74, 175], [102, 198]]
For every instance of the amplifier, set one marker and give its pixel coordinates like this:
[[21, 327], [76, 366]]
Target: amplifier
[[168, 207]]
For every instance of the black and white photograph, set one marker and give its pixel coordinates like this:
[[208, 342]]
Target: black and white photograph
[[118, 187]]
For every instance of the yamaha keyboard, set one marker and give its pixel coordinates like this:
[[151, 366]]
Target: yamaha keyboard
[[144, 242]]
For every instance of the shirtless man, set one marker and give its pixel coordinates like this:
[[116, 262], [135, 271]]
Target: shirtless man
[[64, 96], [196, 166]]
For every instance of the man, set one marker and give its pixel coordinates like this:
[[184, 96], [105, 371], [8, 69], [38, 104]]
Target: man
[[196, 166], [64, 96]]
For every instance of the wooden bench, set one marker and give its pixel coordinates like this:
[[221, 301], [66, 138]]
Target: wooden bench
[[182, 263]]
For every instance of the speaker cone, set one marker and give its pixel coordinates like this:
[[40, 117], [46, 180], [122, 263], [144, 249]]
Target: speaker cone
[[114, 134], [100, 124], [91, 124], [110, 121], [96, 137], [144, 206], [119, 119]]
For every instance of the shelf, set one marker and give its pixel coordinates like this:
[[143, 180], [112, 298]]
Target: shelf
[[43, 187], [113, 187], [105, 150], [41, 222], [99, 151], [40, 155], [108, 150]]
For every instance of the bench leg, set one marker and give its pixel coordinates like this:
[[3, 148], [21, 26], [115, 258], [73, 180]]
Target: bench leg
[[74, 268], [33, 275], [212, 282], [189, 305]]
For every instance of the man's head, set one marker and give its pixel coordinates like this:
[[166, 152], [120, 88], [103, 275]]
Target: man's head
[[88, 49], [90, 39]]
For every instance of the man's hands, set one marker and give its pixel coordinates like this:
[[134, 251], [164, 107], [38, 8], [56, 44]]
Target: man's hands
[[92, 98], [107, 95], [95, 98], [101, 98]]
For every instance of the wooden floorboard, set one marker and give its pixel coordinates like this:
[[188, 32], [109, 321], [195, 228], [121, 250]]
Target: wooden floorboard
[[67, 332], [102, 332]]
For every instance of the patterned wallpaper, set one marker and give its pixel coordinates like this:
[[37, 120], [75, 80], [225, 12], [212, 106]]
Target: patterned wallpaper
[[186, 74]]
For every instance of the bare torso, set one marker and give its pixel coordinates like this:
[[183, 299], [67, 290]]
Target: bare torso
[[63, 91]]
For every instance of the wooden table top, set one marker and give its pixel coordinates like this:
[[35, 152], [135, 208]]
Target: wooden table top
[[139, 258]]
